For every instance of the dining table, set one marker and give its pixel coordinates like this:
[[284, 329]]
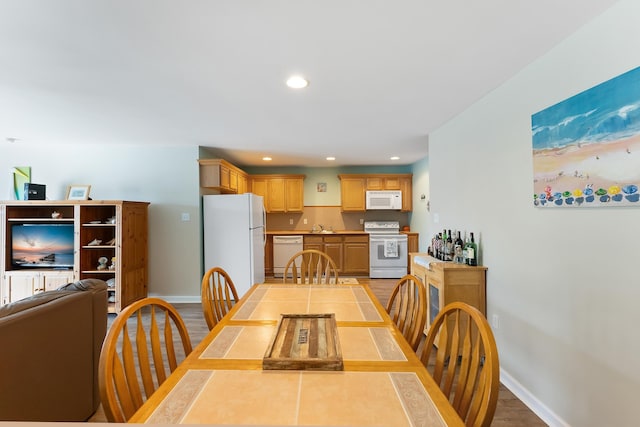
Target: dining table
[[223, 381]]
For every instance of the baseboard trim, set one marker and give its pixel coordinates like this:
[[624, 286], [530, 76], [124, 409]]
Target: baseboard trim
[[532, 402]]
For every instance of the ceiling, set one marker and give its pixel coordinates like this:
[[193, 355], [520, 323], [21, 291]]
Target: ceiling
[[383, 73]]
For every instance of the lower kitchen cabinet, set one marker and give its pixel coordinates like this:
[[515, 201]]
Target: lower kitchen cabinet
[[447, 282], [268, 256], [412, 246], [356, 255], [350, 252]]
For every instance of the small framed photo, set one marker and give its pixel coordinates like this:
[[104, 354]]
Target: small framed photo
[[78, 192], [321, 187]]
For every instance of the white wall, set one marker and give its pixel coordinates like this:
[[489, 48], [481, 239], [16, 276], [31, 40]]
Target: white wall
[[419, 219], [167, 177], [564, 282]]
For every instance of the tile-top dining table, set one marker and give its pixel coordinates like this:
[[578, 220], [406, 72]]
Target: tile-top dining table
[[222, 382]]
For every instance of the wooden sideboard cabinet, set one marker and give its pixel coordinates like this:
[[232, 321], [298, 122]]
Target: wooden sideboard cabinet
[[112, 231], [354, 186], [447, 282]]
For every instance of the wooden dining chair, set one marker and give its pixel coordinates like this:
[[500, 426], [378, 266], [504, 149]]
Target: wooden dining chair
[[407, 307], [311, 266], [218, 295], [460, 353], [144, 345]]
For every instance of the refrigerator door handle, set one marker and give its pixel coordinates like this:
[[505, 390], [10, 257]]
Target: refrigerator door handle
[[264, 227]]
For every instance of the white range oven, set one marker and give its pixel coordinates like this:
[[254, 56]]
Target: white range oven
[[387, 250]]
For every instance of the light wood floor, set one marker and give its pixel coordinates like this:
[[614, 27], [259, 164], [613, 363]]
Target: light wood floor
[[511, 412]]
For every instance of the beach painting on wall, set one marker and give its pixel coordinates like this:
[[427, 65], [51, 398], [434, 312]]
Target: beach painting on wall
[[586, 149]]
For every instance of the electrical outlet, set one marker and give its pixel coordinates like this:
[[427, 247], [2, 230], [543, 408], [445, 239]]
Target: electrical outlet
[[495, 321], [290, 221], [304, 220], [185, 216], [361, 221]]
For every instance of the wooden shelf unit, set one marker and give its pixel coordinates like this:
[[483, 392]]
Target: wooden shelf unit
[[120, 226]]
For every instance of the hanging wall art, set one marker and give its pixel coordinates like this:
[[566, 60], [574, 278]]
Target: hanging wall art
[[586, 149]]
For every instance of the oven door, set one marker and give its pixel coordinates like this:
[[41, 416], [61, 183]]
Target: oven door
[[388, 257]]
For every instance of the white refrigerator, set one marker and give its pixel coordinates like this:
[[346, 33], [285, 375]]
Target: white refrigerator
[[234, 237]]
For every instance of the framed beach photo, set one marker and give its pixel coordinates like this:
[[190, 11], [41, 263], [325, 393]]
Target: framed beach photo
[[78, 192]]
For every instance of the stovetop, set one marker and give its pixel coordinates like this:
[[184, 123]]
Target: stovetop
[[382, 227]]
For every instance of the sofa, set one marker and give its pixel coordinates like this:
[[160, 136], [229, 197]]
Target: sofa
[[49, 351]]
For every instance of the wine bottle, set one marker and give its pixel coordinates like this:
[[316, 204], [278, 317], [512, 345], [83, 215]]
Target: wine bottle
[[449, 252], [465, 256], [472, 252], [458, 245]]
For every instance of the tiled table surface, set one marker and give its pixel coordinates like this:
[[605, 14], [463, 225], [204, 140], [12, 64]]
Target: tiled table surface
[[221, 382]]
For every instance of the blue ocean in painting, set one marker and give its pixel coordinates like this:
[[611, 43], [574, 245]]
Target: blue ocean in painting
[[607, 112]]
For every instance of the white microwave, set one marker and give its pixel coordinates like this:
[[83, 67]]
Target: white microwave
[[385, 199]]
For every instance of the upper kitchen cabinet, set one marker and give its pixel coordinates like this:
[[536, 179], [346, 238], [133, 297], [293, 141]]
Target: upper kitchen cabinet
[[220, 175], [387, 182], [282, 193], [353, 187], [352, 190]]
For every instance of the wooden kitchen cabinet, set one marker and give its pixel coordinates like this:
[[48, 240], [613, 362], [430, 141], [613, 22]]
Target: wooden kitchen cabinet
[[353, 188], [221, 176], [447, 282], [350, 252], [356, 255], [406, 186], [268, 256], [282, 193], [412, 246], [334, 247], [383, 183], [258, 186], [352, 193], [315, 242]]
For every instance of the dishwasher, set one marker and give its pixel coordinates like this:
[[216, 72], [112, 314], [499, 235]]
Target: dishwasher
[[284, 247]]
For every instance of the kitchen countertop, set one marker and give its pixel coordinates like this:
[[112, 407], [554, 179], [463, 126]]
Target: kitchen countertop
[[310, 233]]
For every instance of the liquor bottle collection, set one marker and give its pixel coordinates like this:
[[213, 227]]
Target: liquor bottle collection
[[448, 246]]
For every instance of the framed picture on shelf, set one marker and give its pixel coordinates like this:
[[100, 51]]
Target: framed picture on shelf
[[78, 192]]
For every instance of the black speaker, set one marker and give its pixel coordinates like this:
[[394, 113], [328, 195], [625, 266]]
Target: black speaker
[[35, 191]]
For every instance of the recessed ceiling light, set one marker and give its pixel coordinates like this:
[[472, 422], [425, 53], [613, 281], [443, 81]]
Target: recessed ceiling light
[[267, 158], [297, 82], [331, 158], [394, 158]]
